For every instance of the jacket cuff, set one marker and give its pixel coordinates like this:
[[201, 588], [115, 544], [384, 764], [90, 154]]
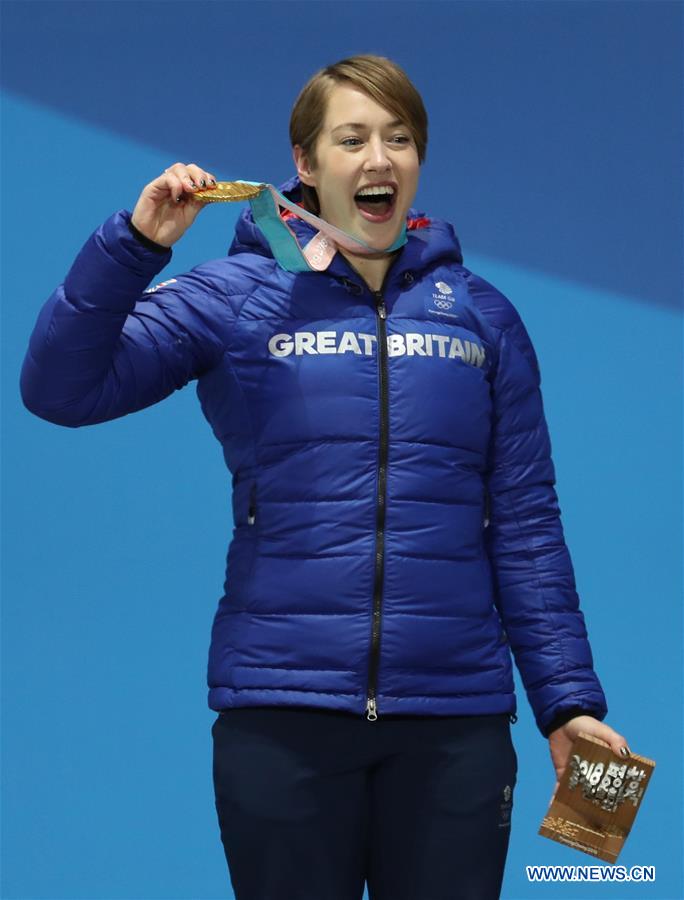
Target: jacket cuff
[[565, 716], [147, 242]]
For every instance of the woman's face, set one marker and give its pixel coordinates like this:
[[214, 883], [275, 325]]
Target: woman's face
[[373, 150]]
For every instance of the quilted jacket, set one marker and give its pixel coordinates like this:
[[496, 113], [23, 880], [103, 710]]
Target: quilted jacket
[[397, 535]]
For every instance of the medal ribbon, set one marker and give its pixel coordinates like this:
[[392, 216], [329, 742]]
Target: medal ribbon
[[317, 255]]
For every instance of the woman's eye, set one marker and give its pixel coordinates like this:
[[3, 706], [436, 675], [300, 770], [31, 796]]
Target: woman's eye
[[399, 137]]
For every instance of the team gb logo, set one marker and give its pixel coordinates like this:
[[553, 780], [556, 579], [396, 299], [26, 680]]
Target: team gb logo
[[442, 300]]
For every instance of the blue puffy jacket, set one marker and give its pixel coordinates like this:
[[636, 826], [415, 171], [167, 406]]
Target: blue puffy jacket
[[396, 527]]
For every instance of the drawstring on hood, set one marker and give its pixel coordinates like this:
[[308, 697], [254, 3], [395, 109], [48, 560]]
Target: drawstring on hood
[[352, 286]]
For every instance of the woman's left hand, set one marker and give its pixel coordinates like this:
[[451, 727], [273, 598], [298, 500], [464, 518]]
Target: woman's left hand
[[562, 739]]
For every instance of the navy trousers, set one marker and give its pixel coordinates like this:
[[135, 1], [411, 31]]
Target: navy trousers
[[313, 803]]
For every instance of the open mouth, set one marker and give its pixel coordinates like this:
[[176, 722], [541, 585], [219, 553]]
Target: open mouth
[[378, 206]]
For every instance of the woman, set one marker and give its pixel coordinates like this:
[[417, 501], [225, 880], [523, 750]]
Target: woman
[[396, 524]]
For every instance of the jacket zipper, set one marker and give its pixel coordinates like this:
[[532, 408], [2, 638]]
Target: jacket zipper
[[381, 312], [371, 705]]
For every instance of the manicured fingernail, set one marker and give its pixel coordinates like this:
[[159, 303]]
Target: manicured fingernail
[[625, 751], [213, 181]]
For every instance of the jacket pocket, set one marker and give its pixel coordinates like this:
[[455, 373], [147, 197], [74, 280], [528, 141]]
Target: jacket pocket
[[252, 511], [242, 552], [244, 502]]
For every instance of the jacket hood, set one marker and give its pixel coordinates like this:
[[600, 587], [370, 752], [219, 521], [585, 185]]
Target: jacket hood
[[427, 239]]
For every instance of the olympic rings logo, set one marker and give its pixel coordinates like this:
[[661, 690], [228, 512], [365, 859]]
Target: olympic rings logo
[[444, 304]]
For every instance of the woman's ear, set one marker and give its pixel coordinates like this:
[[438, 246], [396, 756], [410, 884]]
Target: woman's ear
[[301, 161]]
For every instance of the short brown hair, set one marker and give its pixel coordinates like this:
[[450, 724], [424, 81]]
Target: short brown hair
[[383, 80]]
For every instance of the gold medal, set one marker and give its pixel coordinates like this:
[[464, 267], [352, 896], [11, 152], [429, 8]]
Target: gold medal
[[229, 192]]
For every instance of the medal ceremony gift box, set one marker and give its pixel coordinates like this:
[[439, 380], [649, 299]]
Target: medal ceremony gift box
[[597, 799]]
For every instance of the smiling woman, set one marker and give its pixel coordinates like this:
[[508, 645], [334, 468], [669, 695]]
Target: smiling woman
[[359, 126], [378, 78], [397, 533], [363, 169]]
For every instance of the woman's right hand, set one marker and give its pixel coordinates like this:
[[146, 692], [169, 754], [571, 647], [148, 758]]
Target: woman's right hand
[[166, 208]]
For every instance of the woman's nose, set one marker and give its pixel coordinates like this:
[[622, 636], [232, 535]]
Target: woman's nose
[[377, 155]]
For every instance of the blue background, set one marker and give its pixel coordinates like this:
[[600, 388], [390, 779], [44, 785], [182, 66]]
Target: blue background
[[555, 149]]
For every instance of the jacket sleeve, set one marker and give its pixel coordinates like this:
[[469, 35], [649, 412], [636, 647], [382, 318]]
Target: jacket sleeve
[[535, 591], [103, 347]]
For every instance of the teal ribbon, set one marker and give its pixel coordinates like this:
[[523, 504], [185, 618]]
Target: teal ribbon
[[283, 242]]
